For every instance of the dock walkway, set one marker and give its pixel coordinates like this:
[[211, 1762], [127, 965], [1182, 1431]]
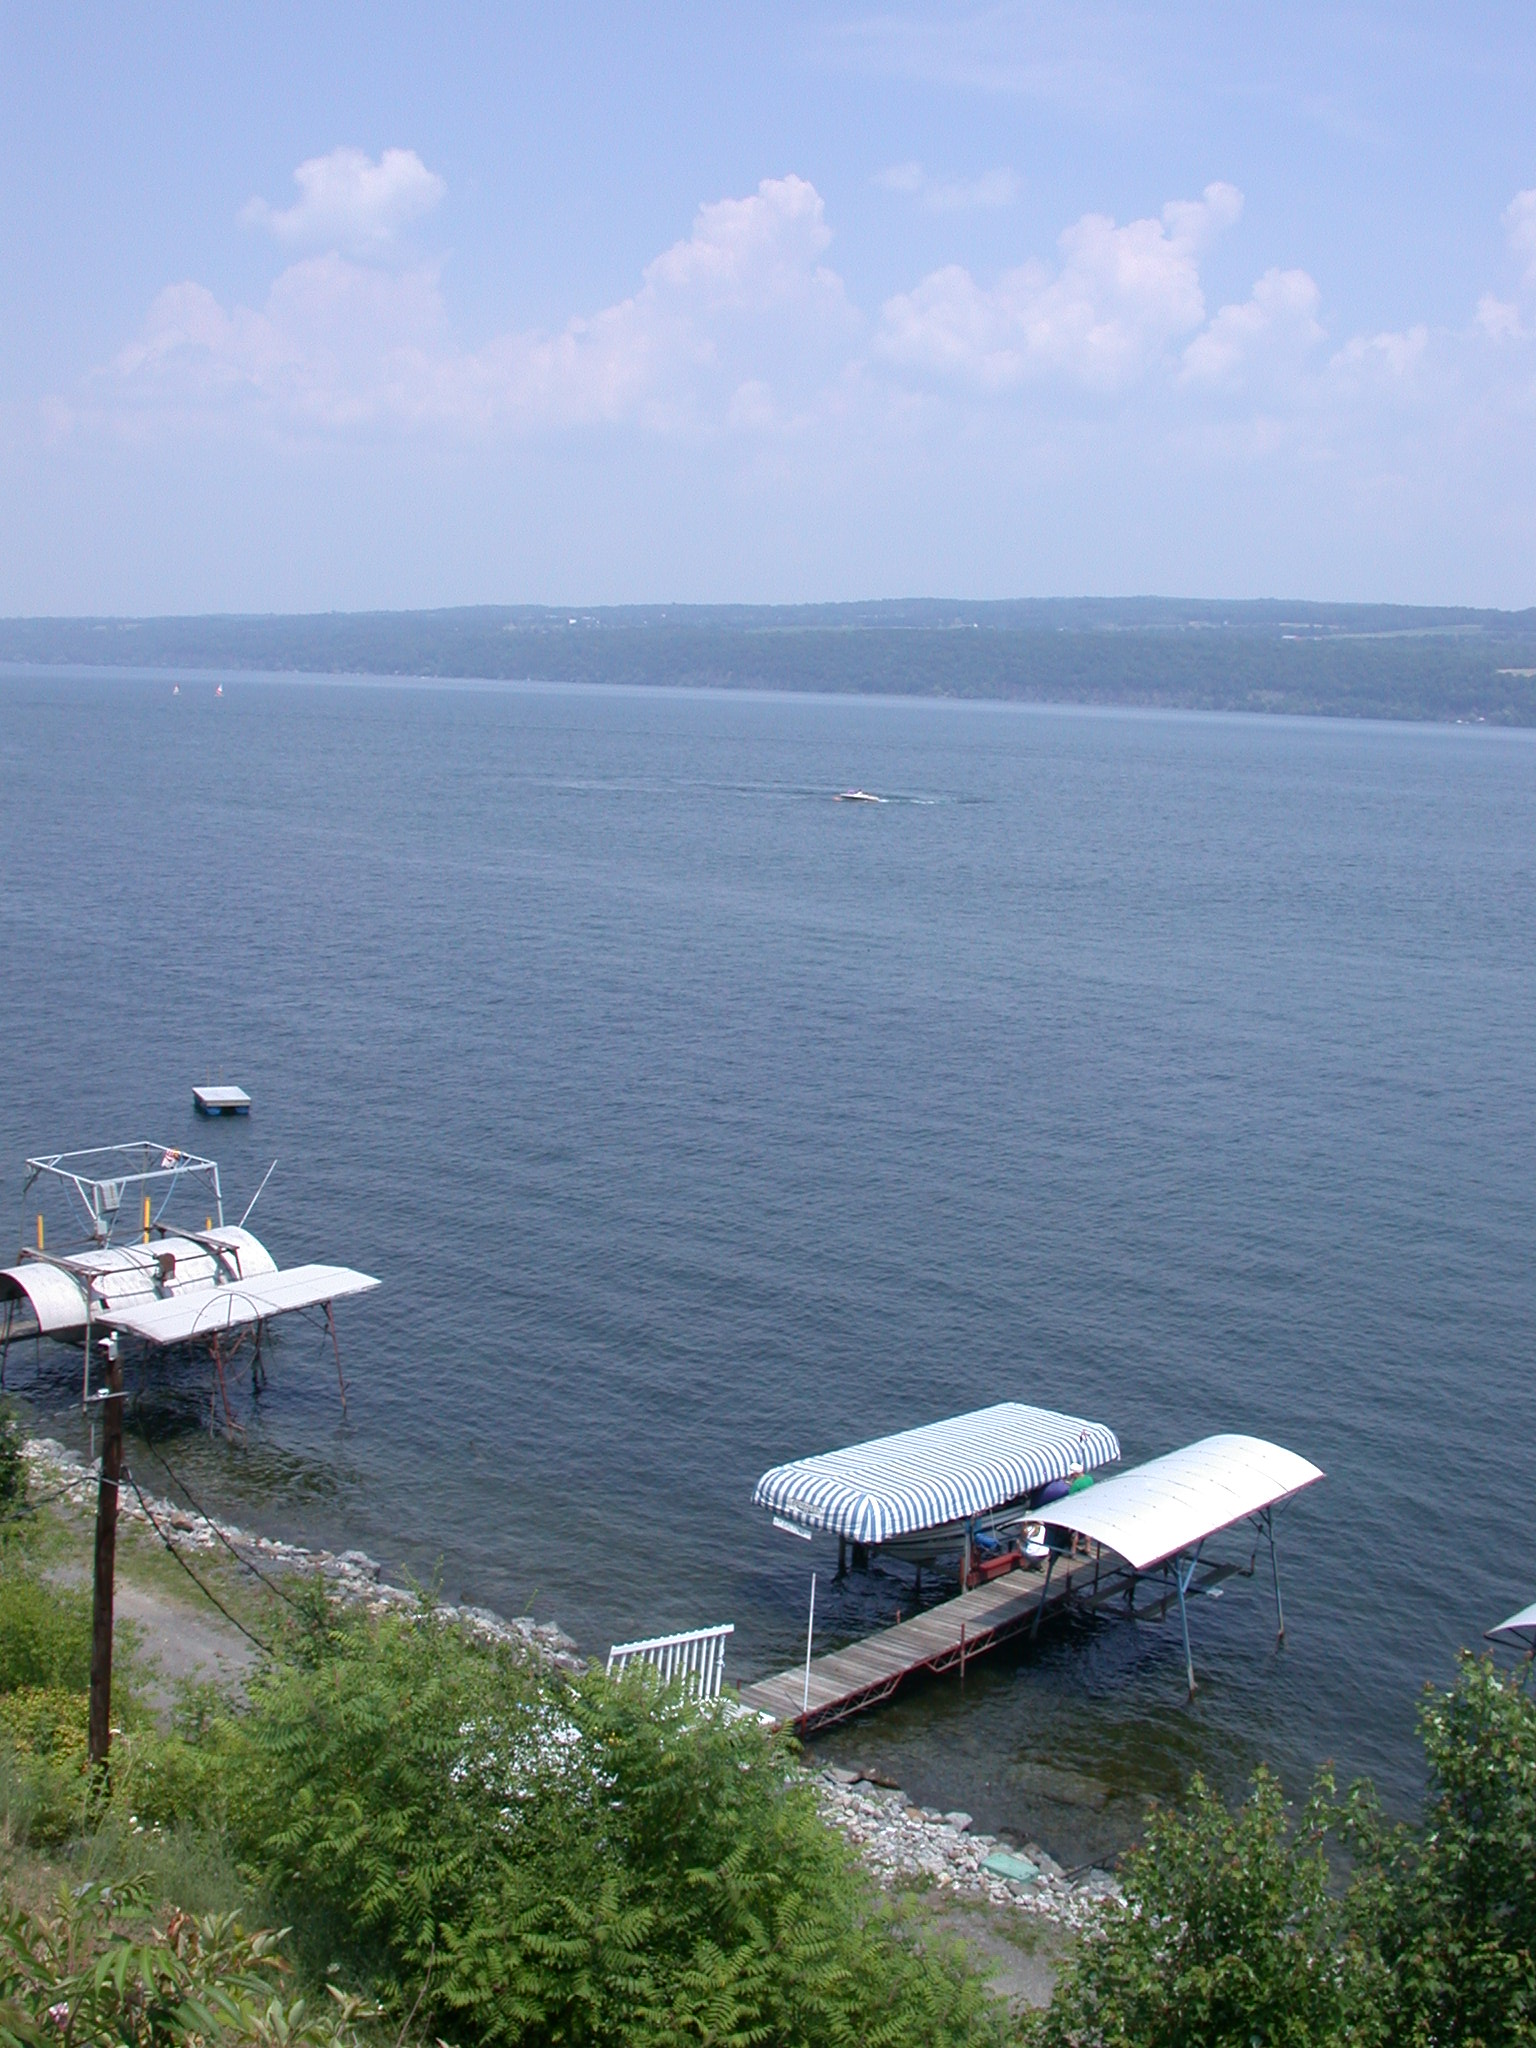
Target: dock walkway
[[941, 1638]]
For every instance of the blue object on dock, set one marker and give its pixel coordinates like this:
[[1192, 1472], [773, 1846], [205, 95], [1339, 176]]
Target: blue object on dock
[[221, 1101]]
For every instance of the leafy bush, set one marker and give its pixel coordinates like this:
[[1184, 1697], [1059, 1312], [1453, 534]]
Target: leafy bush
[[520, 1860], [1452, 1904], [45, 1634], [75, 1978], [13, 1467], [43, 1747], [1230, 1934]]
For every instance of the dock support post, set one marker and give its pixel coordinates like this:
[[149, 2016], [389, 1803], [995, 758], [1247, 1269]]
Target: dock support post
[[218, 1366], [810, 1630], [842, 1557], [1274, 1569], [336, 1347], [5, 1340], [1050, 1566], [106, 1564], [962, 1656], [1182, 1575]]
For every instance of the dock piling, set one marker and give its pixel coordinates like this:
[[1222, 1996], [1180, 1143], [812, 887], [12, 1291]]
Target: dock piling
[[810, 1631]]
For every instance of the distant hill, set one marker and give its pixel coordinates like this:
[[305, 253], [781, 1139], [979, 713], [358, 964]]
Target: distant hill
[[1354, 661]]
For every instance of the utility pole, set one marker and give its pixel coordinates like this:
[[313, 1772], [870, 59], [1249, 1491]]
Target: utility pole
[[106, 1560]]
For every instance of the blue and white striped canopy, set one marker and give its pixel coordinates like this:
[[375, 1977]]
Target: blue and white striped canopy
[[945, 1472]]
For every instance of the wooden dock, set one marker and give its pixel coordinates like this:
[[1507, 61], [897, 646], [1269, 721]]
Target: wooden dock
[[942, 1638]]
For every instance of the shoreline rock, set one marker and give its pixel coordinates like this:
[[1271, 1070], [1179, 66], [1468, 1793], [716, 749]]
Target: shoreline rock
[[904, 1844], [351, 1574]]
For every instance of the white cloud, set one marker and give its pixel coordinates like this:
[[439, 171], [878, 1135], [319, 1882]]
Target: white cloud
[[741, 335], [347, 201], [1118, 299], [1499, 320], [1271, 333], [1385, 363], [993, 188], [739, 311]]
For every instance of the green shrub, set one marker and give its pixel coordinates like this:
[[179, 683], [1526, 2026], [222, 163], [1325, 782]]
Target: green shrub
[[1231, 1936], [45, 1784], [519, 1860], [1452, 1903], [79, 1978], [45, 1634], [13, 1467]]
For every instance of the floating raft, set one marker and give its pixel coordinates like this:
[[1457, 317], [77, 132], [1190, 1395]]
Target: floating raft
[[943, 1638], [221, 1102]]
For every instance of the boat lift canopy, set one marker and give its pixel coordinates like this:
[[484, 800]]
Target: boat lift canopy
[[177, 1287], [1159, 1510], [1161, 1514], [933, 1477], [1520, 1630], [141, 1274], [236, 1304]]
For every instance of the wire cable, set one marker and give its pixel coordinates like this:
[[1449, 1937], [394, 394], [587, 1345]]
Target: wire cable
[[265, 1648], [42, 1500], [198, 1508]]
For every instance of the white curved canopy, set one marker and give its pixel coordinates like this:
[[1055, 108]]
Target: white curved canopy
[[1158, 1510], [178, 1286], [1520, 1629], [940, 1474]]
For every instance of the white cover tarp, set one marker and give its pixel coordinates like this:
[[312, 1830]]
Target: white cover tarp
[[1157, 1510], [927, 1478]]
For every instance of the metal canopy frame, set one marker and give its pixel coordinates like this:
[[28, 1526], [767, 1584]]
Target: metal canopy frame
[[1177, 1576], [99, 1180], [141, 1180], [1158, 1518]]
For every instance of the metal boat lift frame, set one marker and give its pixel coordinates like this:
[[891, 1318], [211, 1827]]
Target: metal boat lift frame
[[152, 1170], [143, 1179]]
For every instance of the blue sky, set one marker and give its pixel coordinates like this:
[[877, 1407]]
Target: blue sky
[[314, 307]]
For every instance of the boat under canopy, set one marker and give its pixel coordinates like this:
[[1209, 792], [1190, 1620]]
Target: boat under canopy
[[936, 1478]]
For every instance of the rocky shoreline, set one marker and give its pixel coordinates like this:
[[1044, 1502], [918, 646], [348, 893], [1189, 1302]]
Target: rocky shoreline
[[903, 1844], [351, 1574]]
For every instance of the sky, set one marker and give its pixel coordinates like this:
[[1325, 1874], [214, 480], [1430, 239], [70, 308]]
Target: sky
[[331, 307]]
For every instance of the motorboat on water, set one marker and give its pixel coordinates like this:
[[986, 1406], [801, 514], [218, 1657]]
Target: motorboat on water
[[858, 796]]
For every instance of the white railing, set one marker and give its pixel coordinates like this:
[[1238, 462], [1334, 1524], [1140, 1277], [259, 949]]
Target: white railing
[[697, 1658]]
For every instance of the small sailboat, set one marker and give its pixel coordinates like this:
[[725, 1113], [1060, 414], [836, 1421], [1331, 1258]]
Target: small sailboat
[[219, 691]]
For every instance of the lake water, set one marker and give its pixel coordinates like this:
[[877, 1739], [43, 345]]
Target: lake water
[[1175, 1071]]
